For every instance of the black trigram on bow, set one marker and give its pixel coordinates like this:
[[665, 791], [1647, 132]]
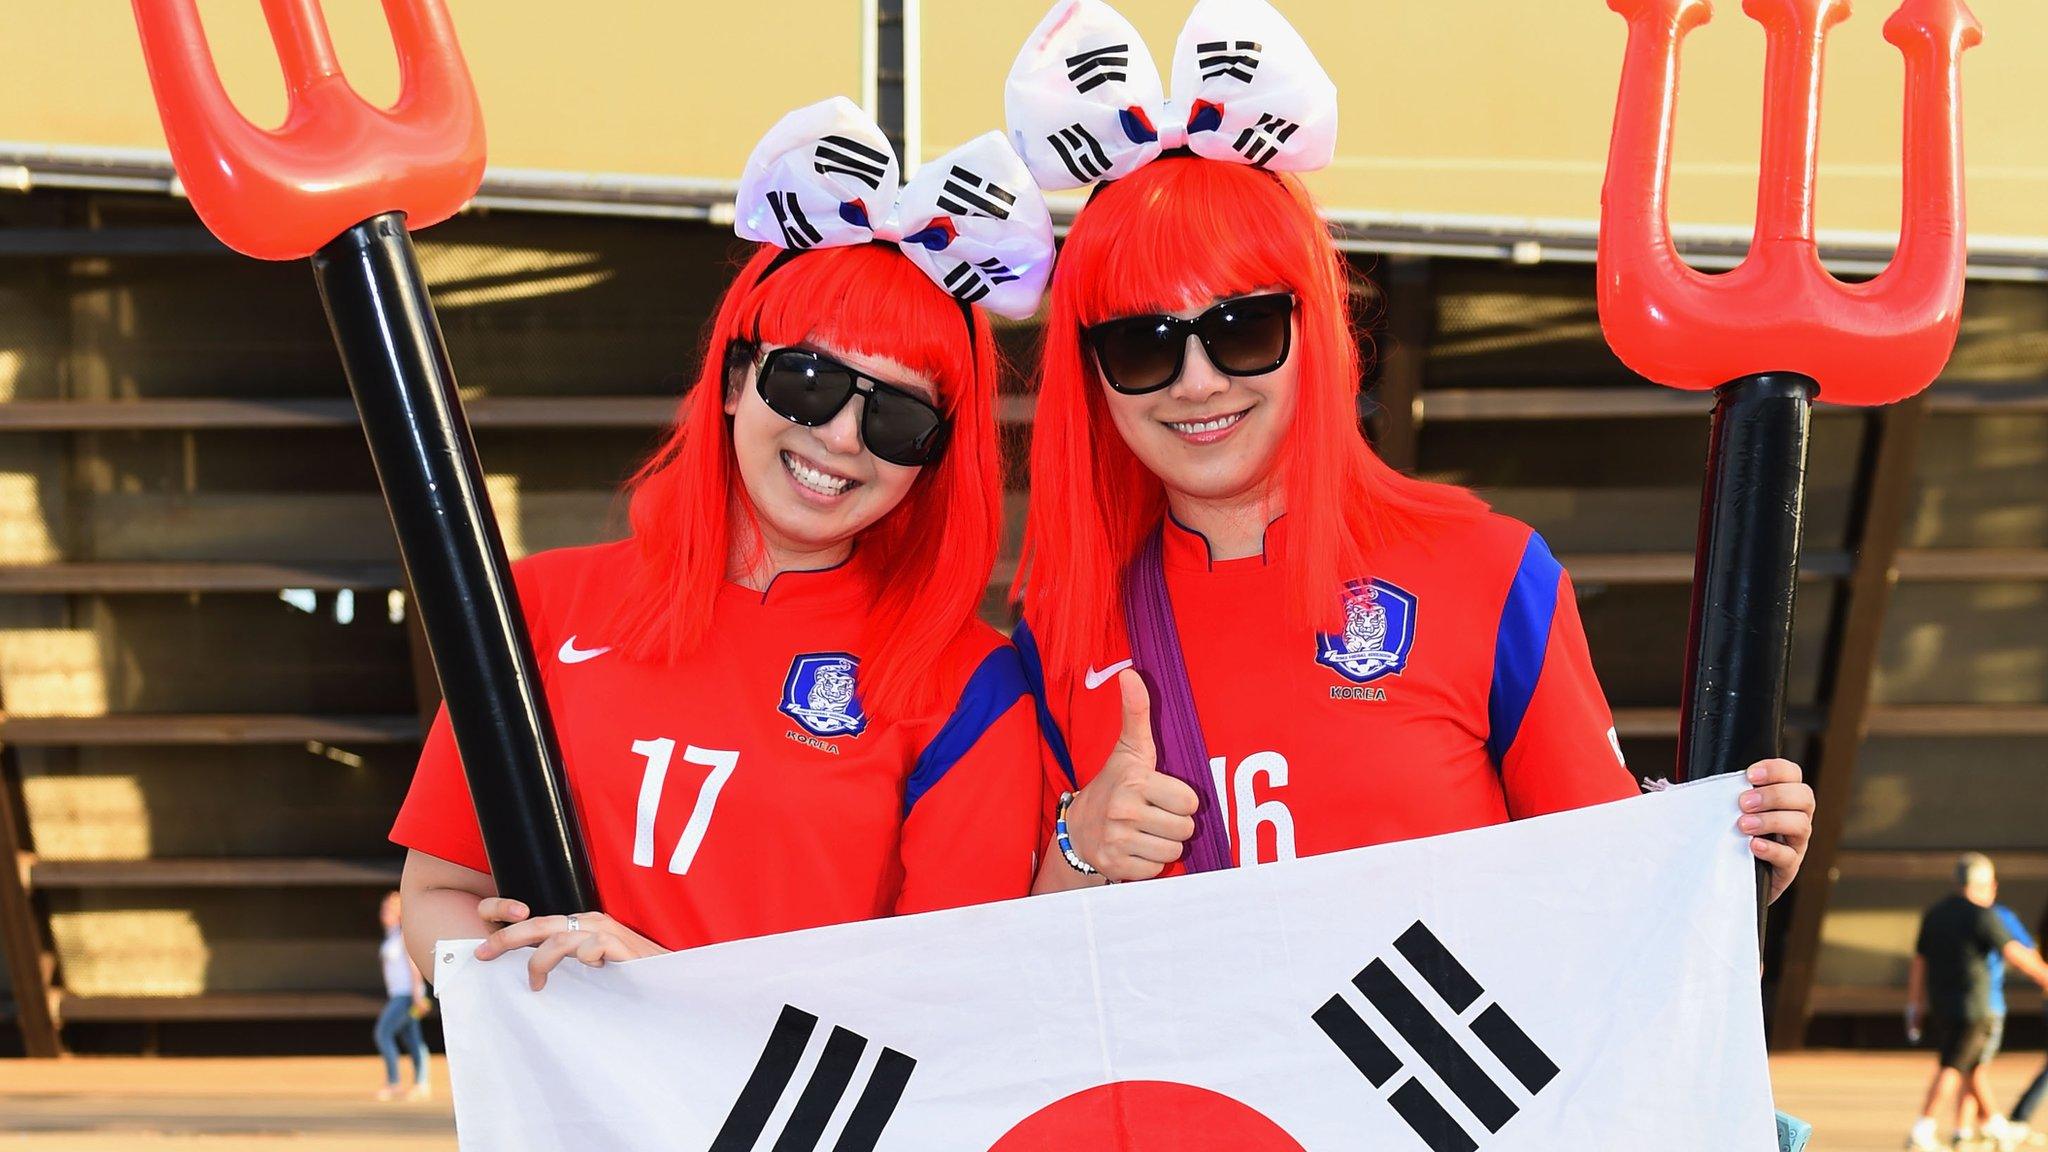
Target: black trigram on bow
[[966, 194], [1091, 69], [1081, 152], [842, 154], [1432, 1033], [804, 1130], [1262, 141], [797, 231], [971, 282], [1237, 59]]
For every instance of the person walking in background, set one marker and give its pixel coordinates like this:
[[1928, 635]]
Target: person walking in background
[[406, 1003], [1950, 986], [2023, 1112], [1976, 1104]]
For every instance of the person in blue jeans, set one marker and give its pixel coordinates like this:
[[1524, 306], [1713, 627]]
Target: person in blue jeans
[[400, 1019], [2023, 1112]]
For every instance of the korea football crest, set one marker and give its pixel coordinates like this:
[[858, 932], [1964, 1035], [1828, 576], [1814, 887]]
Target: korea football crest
[[1379, 631], [819, 694]]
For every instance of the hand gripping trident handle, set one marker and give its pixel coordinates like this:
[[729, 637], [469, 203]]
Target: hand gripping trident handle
[[341, 181], [1776, 330]]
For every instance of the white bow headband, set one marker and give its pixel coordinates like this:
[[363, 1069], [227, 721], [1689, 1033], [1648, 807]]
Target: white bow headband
[[1084, 102], [973, 220]]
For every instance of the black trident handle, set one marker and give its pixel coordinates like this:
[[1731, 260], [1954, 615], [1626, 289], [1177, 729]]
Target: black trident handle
[[1745, 578], [397, 366]]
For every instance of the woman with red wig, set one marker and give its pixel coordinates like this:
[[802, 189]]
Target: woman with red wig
[[1338, 655], [776, 706]]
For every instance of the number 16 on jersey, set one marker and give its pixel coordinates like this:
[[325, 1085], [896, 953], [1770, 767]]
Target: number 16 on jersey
[[1252, 813]]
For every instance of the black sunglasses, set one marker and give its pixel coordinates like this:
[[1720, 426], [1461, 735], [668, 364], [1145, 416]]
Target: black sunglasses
[[1248, 336], [809, 388]]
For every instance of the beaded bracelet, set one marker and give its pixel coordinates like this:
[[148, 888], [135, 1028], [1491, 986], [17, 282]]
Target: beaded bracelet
[[1066, 843]]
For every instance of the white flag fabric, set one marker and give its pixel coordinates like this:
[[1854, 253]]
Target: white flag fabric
[[1581, 981]]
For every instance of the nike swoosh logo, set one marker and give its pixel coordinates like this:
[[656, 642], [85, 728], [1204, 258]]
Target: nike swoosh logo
[[1096, 679], [570, 654]]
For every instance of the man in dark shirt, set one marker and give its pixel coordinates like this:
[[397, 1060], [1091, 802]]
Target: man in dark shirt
[[1951, 978]]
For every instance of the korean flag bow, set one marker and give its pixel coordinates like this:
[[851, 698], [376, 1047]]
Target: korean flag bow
[[1084, 101], [973, 220]]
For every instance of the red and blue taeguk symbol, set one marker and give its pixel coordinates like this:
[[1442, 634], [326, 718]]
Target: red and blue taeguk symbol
[[1147, 1116]]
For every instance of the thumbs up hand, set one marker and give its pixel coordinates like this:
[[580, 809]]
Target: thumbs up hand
[[1132, 820]]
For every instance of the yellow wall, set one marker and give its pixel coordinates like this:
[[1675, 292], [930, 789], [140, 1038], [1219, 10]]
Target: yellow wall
[[1502, 107], [1496, 108], [655, 87]]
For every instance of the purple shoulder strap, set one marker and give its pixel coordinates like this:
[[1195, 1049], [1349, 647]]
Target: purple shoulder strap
[[1155, 653]]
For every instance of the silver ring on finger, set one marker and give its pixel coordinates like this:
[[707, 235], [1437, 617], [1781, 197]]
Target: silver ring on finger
[[572, 923]]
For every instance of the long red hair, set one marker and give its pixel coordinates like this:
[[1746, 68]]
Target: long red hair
[[928, 560], [1177, 233]]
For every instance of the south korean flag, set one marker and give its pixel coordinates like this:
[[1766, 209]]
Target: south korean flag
[[1498, 990], [1272, 104], [1084, 99], [973, 220], [823, 176]]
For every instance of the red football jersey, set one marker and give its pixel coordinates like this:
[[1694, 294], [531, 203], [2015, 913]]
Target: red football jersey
[[744, 791], [1458, 694]]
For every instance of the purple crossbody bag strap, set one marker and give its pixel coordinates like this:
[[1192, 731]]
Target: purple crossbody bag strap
[[1155, 653]]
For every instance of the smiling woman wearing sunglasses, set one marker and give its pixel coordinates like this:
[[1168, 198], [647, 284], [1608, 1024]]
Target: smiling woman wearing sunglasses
[[1338, 655], [775, 704]]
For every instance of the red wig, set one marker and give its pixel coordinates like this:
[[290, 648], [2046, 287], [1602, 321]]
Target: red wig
[[1177, 233], [928, 560]]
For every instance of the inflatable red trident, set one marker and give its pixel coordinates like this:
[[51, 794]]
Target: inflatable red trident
[[1777, 330], [341, 181]]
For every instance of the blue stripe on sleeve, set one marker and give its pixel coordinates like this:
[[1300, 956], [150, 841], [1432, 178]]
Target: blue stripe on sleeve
[[996, 685], [2015, 925], [1994, 962], [1034, 672], [1519, 647]]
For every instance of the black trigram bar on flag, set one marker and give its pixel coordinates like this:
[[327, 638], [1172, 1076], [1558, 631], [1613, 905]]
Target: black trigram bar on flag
[[1237, 59], [1081, 152], [966, 194], [1261, 142], [971, 282], [804, 1130], [1092, 69], [797, 231], [1435, 1043], [845, 155]]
